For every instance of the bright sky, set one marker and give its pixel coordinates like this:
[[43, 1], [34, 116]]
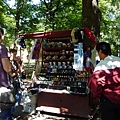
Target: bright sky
[[11, 2], [36, 1]]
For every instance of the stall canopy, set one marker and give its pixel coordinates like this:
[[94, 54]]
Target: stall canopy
[[89, 38], [53, 34]]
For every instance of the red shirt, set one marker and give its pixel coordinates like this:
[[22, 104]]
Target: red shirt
[[105, 79]]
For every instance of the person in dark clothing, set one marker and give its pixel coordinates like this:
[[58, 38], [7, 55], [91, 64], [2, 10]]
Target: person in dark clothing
[[16, 81], [104, 83]]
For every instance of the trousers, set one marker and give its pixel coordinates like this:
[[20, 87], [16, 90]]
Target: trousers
[[6, 114], [18, 100], [109, 110]]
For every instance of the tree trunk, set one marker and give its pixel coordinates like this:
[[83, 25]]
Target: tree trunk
[[91, 16]]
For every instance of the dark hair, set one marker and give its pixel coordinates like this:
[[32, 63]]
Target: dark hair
[[2, 31], [105, 47], [12, 50]]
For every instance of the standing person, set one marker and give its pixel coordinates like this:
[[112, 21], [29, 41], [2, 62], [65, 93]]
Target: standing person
[[105, 82], [20, 62], [87, 62], [5, 68], [16, 81]]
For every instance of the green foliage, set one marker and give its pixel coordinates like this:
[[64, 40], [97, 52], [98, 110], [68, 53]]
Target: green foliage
[[8, 23], [26, 17], [66, 14], [110, 24], [70, 16], [2, 17]]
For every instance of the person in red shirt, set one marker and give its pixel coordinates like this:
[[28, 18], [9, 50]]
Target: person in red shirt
[[104, 83]]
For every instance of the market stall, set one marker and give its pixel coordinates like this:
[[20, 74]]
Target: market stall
[[63, 72]]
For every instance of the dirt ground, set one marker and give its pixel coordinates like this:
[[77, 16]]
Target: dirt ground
[[52, 116]]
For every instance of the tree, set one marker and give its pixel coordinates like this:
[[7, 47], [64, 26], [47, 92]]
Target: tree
[[6, 22], [25, 17], [110, 23], [103, 21], [1, 14], [51, 8], [61, 15], [91, 17]]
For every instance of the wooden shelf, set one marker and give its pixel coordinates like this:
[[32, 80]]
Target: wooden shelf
[[55, 49], [57, 60]]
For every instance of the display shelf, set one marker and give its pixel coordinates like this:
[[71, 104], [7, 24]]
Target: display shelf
[[55, 49], [57, 60], [60, 90], [57, 66]]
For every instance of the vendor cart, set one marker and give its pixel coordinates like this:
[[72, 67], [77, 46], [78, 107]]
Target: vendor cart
[[61, 86]]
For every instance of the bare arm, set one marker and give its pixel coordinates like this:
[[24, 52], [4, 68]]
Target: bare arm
[[7, 66]]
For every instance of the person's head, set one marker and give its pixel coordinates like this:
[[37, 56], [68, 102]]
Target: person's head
[[103, 49], [13, 53], [1, 34]]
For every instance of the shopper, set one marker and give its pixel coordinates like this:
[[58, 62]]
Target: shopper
[[16, 81], [105, 82], [5, 68]]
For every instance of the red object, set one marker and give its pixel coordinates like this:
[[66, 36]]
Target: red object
[[53, 34], [92, 38], [89, 33], [60, 34], [106, 81]]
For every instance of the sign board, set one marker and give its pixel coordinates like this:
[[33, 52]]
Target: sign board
[[78, 56]]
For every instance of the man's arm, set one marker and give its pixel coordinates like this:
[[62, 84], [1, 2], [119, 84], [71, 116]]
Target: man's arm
[[95, 85], [7, 66]]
